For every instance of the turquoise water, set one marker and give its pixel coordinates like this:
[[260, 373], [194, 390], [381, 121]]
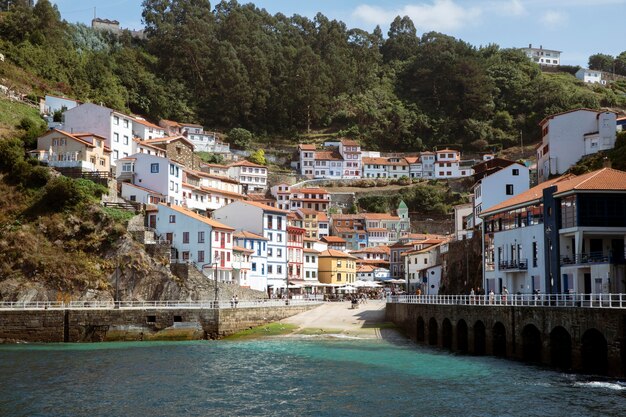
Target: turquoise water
[[286, 377]]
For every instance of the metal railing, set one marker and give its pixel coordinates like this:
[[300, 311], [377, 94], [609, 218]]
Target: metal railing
[[138, 305], [590, 258], [517, 264], [526, 300]]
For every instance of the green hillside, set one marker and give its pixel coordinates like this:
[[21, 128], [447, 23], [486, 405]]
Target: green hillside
[[235, 65]]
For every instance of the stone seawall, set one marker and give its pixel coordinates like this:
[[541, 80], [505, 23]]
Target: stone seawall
[[97, 325], [589, 340]]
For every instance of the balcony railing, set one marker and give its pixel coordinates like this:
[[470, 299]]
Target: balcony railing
[[521, 264], [525, 300], [591, 258]]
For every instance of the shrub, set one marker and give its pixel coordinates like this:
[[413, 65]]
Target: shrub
[[11, 152], [90, 190], [61, 193], [258, 157], [404, 180]]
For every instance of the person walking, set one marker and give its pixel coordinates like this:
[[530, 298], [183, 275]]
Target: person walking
[[505, 295], [472, 295], [236, 300], [492, 296], [232, 301]]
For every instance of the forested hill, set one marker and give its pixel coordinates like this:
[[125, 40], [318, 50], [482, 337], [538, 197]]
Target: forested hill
[[232, 65]]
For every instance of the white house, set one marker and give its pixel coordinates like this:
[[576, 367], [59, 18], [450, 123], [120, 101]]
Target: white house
[[497, 184], [350, 150], [241, 266], [150, 172], [116, 127], [428, 164], [253, 177], [416, 168], [268, 222], [590, 76], [198, 240], [547, 57], [568, 136], [257, 277], [423, 268], [143, 147], [51, 104], [144, 130], [448, 165], [207, 192]]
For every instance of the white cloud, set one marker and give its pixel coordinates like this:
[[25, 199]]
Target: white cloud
[[510, 8], [440, 15], [554, 18]]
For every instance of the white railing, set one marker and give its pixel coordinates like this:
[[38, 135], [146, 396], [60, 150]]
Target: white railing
[[526, 300], [138, 305]]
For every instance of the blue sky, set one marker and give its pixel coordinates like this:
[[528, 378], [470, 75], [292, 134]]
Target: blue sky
[[579, 28]]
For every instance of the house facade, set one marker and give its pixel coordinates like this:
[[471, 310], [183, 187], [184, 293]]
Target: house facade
[[116, 127], [83, 151], [257, 277], [566, 235], [160, 176], [568, 136], [266, 221], [336, 267], [252, 177], [197, 240], [547, 57]]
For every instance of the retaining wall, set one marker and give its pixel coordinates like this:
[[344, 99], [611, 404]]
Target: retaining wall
[[96, 325]]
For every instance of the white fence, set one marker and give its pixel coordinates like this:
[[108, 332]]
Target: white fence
[[139, 305], [526, 300]]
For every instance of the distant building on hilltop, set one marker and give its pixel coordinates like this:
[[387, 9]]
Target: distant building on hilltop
[[547, 57]]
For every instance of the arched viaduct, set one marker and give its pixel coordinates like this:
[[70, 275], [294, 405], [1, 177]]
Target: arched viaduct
[[590, 340]]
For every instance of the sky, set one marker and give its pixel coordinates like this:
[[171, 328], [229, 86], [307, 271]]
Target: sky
[[578, 28]]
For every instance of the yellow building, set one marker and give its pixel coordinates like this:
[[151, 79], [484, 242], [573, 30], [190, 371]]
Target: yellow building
[[336, 267]]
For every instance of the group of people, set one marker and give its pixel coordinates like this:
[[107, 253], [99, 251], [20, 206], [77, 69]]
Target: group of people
[[479, 294], [234, 301]]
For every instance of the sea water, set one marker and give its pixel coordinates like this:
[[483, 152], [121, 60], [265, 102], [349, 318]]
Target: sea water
[[287, 377]]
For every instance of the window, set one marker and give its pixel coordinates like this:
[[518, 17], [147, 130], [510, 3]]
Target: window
[[172, 185], [125, 122], [154, 168], [279, 237], [116, 120], [125, 140], [186, 255], [200, 237], [515, 172], [279, 269], [172, 218], [509, 189], [339, 276], [200, 256], [270, 236], [227, 256], [217, 236], [269, 269], [270, 222], [279, 252], [116, 137], [185, 237], [253, 266], [269, 252]]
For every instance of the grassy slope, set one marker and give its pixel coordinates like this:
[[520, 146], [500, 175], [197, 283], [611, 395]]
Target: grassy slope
[[11, 113]]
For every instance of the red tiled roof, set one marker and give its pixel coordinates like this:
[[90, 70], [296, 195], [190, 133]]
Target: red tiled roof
[[142, 188], [226, 193], [147, 123], [240, 249], [605, 179], [307, 147], [374, 249], [349, 142], [168, 139], [328, 156], [245, 163]]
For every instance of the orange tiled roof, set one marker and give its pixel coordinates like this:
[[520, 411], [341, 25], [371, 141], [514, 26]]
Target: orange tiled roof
[[307, 147], [198, 217], [333, 239], [245, 163], [248, 235], [374, 249], [265, 207], [241, 249], [349, 142], [147, 123], [608, 179], [332, 253]]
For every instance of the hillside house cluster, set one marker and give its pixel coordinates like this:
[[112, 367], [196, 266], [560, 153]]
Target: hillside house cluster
[[345, 160]]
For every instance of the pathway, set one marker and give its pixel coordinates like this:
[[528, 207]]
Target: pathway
[[338, 319]]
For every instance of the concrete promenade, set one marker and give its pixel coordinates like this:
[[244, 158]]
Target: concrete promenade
[[338, 319]]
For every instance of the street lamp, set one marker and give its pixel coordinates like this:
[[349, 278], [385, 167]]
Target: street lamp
[[551, 279], [216, 261]]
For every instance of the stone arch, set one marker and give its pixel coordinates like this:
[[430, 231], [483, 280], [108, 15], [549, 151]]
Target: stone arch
[[446, 333], [480, 338], [461, 336], [594, 352], [433, 331], [560, 348], [531, 343], [419, 334], [499, 339]]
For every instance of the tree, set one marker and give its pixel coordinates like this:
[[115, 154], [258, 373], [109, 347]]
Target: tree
[[258, 157], [402, 41], [601, 62], [240, 137]]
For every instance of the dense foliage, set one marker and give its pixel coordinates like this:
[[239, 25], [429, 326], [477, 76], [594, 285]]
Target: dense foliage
[[230, 65]]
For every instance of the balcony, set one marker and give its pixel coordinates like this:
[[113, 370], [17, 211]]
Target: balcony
[[591, 258], [520, 265]]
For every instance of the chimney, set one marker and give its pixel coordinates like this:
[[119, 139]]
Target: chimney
[[606, 163]]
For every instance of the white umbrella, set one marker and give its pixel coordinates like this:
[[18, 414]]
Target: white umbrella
[[347, 288]]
